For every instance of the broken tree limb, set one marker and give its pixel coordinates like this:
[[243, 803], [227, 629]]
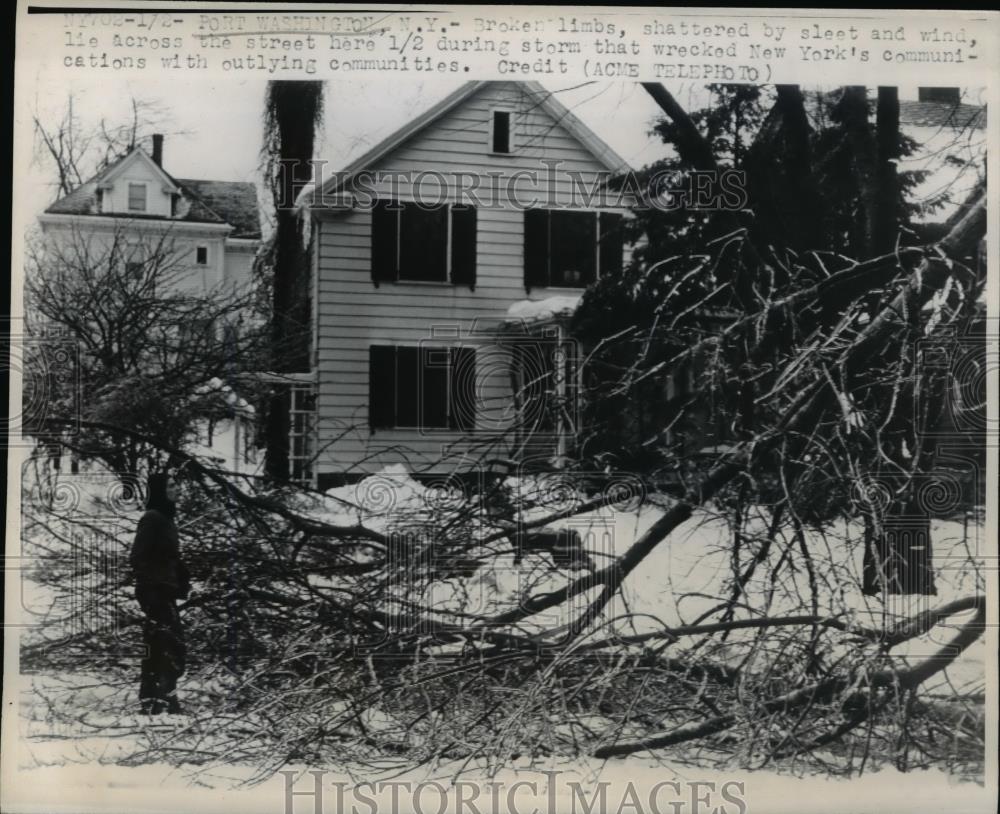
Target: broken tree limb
[[894, 680], [799, 418], [691, 147], [904, 631]]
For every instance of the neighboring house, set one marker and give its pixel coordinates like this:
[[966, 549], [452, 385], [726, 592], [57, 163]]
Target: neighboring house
[[207, 232], [949, 132], [429, 321], [212, 227]]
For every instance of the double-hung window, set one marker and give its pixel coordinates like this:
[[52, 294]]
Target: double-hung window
[[421, 387], [136, 197], [570, 249], [411, 242]]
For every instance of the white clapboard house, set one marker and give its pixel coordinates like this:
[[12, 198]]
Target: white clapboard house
[[206, 234], [439, 308], [439, 332]]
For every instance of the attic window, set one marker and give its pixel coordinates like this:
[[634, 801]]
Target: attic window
[[137, 197], [501, 131]]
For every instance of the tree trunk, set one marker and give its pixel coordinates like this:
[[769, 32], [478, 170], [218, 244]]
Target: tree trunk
[[293, 110], [885, 225]]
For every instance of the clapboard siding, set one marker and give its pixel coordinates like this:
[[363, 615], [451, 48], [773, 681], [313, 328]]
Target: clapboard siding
[[353, 314]]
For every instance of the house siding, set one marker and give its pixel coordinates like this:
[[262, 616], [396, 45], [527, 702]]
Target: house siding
[[352, 314]]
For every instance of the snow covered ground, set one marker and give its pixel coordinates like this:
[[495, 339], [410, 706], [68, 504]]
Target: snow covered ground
[[48, 767], [636, 785]]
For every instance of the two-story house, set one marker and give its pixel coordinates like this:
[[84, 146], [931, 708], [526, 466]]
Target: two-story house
[[207, 234], [444, 263]]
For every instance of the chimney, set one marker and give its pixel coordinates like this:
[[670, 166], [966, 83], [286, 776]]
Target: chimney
[[158, 149]]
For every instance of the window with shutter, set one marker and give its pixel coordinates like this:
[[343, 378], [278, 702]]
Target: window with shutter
[[423, 243], [570, 249], [409, 242], [416, 387]]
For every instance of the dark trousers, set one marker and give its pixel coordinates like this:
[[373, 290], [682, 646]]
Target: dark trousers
[[163, 637]]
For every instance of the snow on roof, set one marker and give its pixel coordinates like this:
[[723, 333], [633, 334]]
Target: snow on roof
[[563, 305]]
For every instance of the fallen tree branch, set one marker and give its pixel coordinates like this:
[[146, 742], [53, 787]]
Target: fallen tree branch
[[825, 690]]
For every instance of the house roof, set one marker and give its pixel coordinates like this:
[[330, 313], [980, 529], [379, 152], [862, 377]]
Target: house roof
[[543, 98], [942, 114], [232, 203]]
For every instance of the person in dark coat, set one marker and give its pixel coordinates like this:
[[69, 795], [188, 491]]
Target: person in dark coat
[[161, 578]]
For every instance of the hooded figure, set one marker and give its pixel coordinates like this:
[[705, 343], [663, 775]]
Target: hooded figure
[[160, 580]]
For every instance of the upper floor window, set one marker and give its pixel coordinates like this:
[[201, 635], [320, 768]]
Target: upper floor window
[[570, 249], [136, 197], [500, 132], [201, 255], [411, 242]]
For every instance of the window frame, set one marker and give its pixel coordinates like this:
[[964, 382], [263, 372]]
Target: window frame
[[144, 186], [598, 270], [302, 399], [450, 411], [511, 130], [398, 208], [197, 251]]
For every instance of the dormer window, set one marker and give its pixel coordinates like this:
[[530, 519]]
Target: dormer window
[[500, 132], [136, 197]]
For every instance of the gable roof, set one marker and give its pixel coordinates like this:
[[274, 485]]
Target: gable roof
[[542, 98], [232, 203], [136, 156]]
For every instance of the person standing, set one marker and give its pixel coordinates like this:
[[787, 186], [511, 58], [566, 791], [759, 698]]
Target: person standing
[[161, 578]]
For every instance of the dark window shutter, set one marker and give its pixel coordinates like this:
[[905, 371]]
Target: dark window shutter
[[434, 364], [381, 387], [384, 242], [536, 248], [462, 406], [463, 245], [611, 243]]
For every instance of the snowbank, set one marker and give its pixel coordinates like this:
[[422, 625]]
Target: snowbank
[[542, 310]]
